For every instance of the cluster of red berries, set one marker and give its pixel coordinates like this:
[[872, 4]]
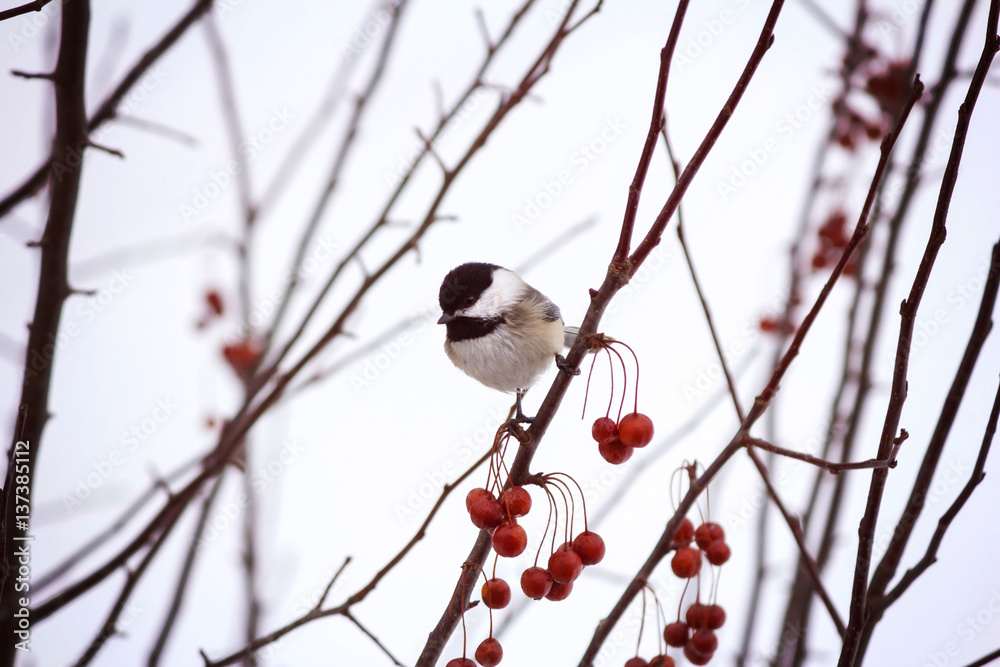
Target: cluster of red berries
[[851, 128], [616, 441], [696, 633], [833, 238], [710, 540], [498, 513], [890, 86]]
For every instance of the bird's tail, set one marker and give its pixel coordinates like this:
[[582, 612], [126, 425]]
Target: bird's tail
[[569, 335]]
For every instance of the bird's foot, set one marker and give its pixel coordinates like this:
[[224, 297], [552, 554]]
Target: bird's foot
[[565, 367]]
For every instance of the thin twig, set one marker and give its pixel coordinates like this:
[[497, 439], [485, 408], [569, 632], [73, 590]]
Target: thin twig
[[34, 6], [349, 616], [107, 110], [87, 549], [132, 577], [185, 576], [829, 466], [930, 555], [362, 593], [796, 529]]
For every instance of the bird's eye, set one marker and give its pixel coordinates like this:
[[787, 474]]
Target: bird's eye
[[469, 300]]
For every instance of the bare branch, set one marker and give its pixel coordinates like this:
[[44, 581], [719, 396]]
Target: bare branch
[[34, 6], [908, 312]]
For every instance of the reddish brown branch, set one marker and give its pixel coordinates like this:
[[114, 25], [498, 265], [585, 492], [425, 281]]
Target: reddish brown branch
[[887, 567], [908, 313], [930, 555], [830, 466], [53, 289], [796, 529]]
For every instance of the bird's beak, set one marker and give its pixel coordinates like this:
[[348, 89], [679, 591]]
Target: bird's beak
[[445, 318]]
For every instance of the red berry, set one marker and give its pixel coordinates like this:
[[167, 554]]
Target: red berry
[[509, 540], [717, 552], [707, 533], [474, 496], [214, 301], [496, 593], [716, 617], [559, 592], [636, 662], [589, 546], [489, 653], [697, 616], [685, 533], [461, 662], [604, 429], [536, 582], [686, 562], [696, 657], [243, 357], [565, 565], [676, 633], [486, 512], [704, 641], [516, 500], [614, 452], [769, 324], [662, 661], [635, 430]]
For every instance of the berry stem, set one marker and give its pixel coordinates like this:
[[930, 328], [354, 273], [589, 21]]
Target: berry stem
[[583, 500], [635, 407], [586, 392]]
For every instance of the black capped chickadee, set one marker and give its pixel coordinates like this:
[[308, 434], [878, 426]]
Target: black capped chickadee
[[500, 330]]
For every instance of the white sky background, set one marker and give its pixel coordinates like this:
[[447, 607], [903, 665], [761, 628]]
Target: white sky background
[[364, 451]]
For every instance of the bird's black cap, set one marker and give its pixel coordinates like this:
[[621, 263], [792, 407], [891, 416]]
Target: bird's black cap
[[464, 284]]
